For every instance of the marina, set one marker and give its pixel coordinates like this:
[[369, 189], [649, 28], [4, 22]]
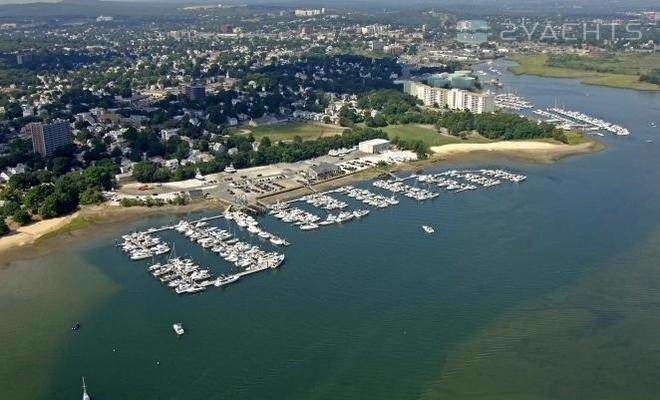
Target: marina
[[185, 276], [470, 306], [512, 101]]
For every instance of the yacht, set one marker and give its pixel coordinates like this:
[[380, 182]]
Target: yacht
[[84, 388], [141, 255], [178, 329], [360, 213], [309, 226], [428, 229], [226, 280]]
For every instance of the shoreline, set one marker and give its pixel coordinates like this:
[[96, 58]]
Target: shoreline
[[41, 237], [528, 66], [536, 151], [44, 238], [524, 151]]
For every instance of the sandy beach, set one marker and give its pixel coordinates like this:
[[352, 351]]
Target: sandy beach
[[29, 234], [531, 150], [35, 239]]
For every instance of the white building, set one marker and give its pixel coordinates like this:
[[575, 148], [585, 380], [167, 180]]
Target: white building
[[374, 146], [454, 99], [309, 13]]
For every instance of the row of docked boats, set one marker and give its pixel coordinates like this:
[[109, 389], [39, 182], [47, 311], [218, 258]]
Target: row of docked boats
[[502, 174], [307, 221], [242, 254], [182, 275], [596, 122], [142, 245], [462, 180], [397, 186], [368, 197], [512, 101], [324, 201], [446, 183], [250, 224]]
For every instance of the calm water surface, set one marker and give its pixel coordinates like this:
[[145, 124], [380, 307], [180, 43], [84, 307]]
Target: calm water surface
[[544, 290]]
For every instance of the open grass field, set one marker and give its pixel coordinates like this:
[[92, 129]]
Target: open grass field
[[627, 66], [286, 132], [427, 134]]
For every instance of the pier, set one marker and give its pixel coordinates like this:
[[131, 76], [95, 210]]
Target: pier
[[171, 227]]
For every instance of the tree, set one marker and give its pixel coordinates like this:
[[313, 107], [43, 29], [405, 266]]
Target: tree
[[91, 196], [144, 171], [4, 229], [36, 195], [53, 206], [21, 217], [10, 207]]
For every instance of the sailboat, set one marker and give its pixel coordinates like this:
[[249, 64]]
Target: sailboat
[[84, 388]]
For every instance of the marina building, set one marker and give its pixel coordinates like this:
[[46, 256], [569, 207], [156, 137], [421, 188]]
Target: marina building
[[46, 138], [374, 146], [323, 171], [453, 99]]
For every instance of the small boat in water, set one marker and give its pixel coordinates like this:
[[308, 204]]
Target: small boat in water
[[178, 329], [84, 388], [428, 229], [76, 326]]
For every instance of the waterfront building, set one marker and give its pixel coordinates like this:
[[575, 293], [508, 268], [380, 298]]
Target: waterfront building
[[46, 138], [323, 171], [453, 99], [374, 146]]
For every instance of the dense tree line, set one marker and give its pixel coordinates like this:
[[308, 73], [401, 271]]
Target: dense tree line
[[652, 76], [267, 153], [497, 125], [38, 193]]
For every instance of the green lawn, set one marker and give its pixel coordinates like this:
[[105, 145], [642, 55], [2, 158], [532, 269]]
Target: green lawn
[[535, 64], [428, 135], [425, 133], [286, 132]]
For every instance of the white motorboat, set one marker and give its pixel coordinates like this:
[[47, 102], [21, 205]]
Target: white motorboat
[[428, 229], [308, 227], [226, 280], [178, 329]]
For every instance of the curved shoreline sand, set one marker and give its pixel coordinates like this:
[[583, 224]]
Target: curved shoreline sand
[[538, 151], [35, 239], [29, 234]]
